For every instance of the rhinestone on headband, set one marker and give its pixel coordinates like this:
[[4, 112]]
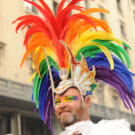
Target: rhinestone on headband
[[63, 73]]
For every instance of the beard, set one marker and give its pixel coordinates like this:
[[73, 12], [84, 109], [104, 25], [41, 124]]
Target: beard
[[71, 116]]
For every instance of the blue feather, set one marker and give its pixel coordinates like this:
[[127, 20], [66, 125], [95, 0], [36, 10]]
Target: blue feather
[[119, 68]]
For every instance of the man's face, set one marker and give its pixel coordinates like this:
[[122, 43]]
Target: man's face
[[70, 112]]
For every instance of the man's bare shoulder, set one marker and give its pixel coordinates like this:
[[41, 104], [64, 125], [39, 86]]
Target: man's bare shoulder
[[104, 127]]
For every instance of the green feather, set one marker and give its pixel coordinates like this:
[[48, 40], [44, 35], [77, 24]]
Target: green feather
[[124, 44], [91, 51], [43, 70], [87, 51], [38, 80], [125, 55], [112, 47], [116, 49]]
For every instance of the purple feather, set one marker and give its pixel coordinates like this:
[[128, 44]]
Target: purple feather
[[47, 103], [50, 115], [110, 77]]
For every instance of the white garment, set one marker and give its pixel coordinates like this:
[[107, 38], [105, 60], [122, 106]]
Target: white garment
[[104, 127]]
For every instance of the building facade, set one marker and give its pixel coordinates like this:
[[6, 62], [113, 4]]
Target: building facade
[[17, 114]]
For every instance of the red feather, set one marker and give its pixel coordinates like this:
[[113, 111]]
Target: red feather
[[59, 9], [51, 16], [73, 2], [63, 17], [45, 14], [32, 31], [53, 29]]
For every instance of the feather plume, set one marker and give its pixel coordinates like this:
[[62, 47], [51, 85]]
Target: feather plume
[[120, 78], [83, 34]]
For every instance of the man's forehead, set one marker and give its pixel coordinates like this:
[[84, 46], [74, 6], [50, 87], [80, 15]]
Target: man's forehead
[[69, 92]]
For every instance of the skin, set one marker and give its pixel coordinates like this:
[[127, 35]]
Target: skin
[[69, 113]]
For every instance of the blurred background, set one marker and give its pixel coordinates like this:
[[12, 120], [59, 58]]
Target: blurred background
[[17, 114]]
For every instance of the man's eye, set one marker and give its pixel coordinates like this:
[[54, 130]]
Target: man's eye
[[69, 98], [57, 102]]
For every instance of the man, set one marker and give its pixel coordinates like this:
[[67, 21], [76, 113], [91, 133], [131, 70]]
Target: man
[[71, 111], [69, 54], [75, 119]]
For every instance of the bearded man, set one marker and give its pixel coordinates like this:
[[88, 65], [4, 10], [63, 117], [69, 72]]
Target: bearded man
[[70, 52], [68, 109], [76, 119]]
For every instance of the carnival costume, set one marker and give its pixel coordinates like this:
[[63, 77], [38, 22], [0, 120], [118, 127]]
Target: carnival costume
[[73, 50], [104, 127]]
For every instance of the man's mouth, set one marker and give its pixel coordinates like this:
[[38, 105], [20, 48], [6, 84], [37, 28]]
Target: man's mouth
[[64, 112]]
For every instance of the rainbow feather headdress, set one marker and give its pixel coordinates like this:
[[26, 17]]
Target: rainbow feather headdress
[[78, 49]]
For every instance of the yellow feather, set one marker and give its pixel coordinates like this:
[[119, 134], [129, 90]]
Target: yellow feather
[[32, 77], [33, 66], [103, 48], [86, 40], [108, 55], [49, 52], [91, 35]]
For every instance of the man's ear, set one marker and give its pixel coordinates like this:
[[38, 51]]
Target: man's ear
[[87, 101]]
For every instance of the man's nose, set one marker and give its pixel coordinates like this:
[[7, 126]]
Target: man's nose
[[63, 104]]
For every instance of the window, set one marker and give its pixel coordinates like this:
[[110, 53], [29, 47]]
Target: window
[[1, 127], [100, 97], [32, 126], [126, 49], [86, 4], [100, 94], [122, 28], [102, 16], [134, 16], [115, 102], [55, 5], [2, 45], [30, 8], [119, 5], [133, 1], [5, 125], [132, 127]]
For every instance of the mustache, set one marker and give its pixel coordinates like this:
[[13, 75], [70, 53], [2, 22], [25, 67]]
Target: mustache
[[64, 111], [67, 109]]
